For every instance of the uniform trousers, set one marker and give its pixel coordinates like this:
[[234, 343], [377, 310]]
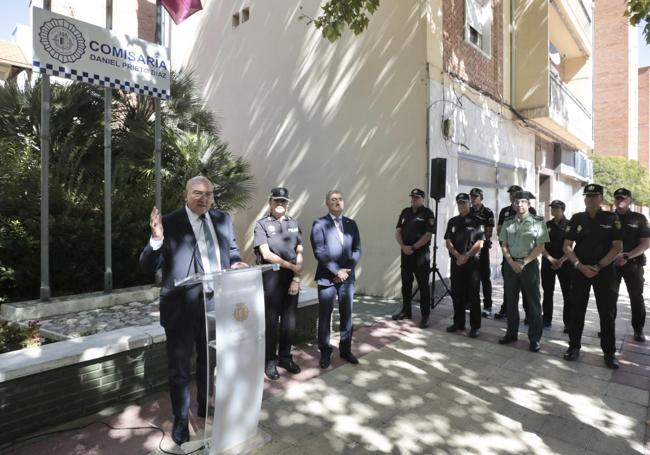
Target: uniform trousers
[[485, 271], [548, 285], [606, 293], [280, 307], [180, 343], [418, 265], [465, 280], [632, 273], [344, 292], [526, 282], [515, 298]]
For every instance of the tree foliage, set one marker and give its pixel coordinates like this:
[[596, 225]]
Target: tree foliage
[[338, 15], [638, 11], [190, 145], [619, 172]]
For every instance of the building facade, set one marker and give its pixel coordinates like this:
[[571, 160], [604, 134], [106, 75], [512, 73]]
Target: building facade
[[476, 82]]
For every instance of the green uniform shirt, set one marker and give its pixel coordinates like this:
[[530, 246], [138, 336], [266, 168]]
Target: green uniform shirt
[[523, 235]]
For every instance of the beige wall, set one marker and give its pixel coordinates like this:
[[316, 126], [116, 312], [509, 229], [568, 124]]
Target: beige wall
[[531, 84], [311, 115]]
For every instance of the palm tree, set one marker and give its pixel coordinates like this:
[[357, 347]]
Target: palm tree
[[190, 145]]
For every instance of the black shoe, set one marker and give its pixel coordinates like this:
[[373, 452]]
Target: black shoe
[[271, 371], [566, 329], [611, 361], [325, 358], [534, 346], [525, 321], [508, 339], [486, 313], [454, 328], [598, 334], [639, 336], [571, 354], [401, 315], [424, 323], [547, 325], [500, 315], [180, 431], [474, 333], [289, 365], [347, 355]]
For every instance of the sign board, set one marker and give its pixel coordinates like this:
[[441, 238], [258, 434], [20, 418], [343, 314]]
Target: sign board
[[79, 51]]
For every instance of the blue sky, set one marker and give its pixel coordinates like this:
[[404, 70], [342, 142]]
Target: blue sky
[[17, 11], [13, 12]]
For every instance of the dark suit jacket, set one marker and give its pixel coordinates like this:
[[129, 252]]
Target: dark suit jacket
[[331, 254], [179, 257]]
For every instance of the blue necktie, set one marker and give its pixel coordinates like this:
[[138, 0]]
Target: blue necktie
[[209, 242]]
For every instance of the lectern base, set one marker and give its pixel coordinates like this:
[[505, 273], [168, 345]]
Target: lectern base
[[260, 439]]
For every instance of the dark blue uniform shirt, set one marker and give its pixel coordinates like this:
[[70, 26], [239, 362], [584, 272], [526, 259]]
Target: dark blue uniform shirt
[[282, 236]]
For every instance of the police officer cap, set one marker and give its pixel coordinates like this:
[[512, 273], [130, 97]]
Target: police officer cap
[[514, 189], [462, 197], [476, 192], [417, 192], [623, 192], [592, 189], [557, 203], [523, 195], [280, 193]]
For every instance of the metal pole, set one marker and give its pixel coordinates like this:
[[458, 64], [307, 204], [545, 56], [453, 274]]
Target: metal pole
[[157, 126], [45, 182], [108, 97]]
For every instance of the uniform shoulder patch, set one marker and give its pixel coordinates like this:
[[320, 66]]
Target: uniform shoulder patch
[[617, 223], [538, 218]]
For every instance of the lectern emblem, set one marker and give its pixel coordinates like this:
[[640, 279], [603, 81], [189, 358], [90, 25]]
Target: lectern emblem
[[62, 40], [241, 312]]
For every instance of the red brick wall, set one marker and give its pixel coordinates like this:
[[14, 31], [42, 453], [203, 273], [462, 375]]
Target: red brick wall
[[147, 20], [462, 58], [644, 116], [611, 118]]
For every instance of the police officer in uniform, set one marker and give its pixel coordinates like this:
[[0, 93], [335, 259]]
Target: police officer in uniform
[[486, 217], [522, 240], [464, 238], [508, 212], [278, 240], [629, 264], [554, 263], [413, 234], [598, 241]]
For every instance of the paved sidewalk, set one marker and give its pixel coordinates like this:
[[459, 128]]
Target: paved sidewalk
[[425, 392]]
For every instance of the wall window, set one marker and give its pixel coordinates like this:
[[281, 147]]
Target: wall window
[[478, 24]]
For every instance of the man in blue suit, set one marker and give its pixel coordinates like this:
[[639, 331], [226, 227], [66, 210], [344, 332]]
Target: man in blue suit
[[183, 243], [337, 247]]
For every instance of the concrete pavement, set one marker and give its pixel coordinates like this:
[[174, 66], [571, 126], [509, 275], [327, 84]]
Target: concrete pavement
[[425, 392]]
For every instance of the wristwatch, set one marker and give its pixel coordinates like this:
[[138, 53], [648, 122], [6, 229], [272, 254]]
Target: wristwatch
[[626, 256], [576, 263], [296, 279]]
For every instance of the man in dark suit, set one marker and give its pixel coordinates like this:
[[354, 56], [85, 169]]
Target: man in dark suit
[[183, 243], [337, 247]]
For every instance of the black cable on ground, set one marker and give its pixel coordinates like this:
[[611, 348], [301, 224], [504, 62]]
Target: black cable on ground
[[152, 427]]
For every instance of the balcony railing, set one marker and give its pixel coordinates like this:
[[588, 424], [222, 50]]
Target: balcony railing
[[567, 110]]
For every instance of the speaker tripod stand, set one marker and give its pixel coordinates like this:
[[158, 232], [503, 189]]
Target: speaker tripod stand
[[434, 264]]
